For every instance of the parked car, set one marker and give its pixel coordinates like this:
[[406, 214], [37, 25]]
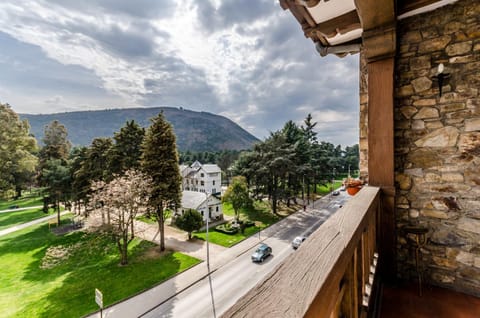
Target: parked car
[[297, 241], [262, 252], [336, 192]]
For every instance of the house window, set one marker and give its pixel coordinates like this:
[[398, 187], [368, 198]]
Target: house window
[[214, 190], [202, 183], [213, 182], [217, 208], [201, 175], [196, 182]]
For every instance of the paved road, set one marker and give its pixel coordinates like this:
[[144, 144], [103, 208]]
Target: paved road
[[233, 273]]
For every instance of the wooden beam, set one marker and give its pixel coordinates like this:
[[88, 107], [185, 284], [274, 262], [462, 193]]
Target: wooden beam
[[307, 3], [410, 5], [341, 24], [380, 123], [380, 43], [381, 155], [378, 21], [375, 13]]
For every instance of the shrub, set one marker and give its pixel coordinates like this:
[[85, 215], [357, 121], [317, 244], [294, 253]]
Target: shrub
[[226, 228]]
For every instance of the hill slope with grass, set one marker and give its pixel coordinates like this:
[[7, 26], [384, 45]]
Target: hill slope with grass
[[195, 131]]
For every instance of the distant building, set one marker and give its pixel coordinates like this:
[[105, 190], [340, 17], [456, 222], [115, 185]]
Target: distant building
[[198, 201], [201, 178], [198, 181]]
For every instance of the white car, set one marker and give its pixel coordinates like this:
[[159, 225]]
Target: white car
[[297, 241]]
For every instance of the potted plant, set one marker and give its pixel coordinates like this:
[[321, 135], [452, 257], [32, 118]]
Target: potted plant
[[353, 185]]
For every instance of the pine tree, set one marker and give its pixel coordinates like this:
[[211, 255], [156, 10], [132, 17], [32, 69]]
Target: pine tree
[[17, 151], [160, 162], [54, 172], [126, 152], [56, 144]]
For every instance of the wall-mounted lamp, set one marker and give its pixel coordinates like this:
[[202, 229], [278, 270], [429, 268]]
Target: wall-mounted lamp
[[441, 77]]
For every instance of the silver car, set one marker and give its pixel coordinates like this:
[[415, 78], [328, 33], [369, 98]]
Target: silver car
[[297, 241]]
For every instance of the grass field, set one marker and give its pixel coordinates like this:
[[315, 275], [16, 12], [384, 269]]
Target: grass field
[[9, 219], [23, 202], [326, 189], [260, 213], [44, 275]]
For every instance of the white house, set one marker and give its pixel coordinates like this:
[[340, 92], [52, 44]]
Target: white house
[[205, 178], [198, 201]]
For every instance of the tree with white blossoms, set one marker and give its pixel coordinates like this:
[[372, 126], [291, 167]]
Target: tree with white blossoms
[[119, 202]]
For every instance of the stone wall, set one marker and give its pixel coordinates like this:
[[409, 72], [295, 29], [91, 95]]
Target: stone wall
[[437, 143]]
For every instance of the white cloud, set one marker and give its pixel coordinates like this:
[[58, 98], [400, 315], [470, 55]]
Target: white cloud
[[55, 100], [251, 64], [329, 116]]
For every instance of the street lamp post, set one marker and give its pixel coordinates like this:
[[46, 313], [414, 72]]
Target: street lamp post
[[206, 234], [333, 178], [208, 258]]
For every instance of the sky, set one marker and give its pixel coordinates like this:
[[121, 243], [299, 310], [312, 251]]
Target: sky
[[247, 60]]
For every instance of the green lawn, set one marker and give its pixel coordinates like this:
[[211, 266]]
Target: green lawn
[[143, 218], [23, 202], [9, 219], [44, 275], [326, 189], [152, 220], [259, 213]]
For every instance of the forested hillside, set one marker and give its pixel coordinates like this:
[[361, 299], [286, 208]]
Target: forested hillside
[[195, 131]]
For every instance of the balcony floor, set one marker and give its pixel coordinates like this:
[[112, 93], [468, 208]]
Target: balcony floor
[[404, 301]]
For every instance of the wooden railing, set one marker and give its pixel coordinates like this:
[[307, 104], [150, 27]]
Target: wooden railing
[[330, 275]]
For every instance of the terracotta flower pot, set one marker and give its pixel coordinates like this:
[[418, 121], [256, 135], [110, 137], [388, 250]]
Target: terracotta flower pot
[[353, 186], [353, 190]]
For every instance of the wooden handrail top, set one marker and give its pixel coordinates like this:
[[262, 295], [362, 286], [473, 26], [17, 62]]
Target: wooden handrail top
[[314, 269]]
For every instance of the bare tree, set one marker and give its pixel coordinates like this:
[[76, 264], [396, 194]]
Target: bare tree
[[119, 202]]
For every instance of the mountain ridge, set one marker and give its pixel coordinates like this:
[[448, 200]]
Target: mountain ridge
[[195, 131]]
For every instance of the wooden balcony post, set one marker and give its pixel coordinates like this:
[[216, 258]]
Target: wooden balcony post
[[381, 157]]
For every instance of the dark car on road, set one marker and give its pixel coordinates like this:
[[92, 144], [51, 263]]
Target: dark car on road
[[262, 252]]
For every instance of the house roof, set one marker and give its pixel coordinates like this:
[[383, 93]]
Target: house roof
[[211, 168], [191, 174], [192, 199], [196, 164], [340, 26]]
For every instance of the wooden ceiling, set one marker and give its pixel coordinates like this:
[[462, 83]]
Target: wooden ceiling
[[369, 18]]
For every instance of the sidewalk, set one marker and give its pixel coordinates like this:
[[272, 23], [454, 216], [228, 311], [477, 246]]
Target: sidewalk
[[21, 209], [177, 240], [142, 303], [24, 225]]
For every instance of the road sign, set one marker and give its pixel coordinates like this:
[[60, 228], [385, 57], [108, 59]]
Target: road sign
[[99, 298]]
